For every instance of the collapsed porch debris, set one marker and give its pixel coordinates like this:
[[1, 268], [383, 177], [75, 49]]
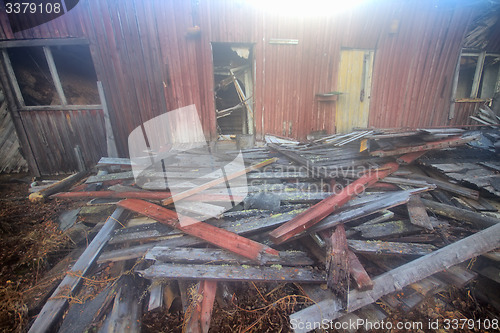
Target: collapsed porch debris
[[332, 220]]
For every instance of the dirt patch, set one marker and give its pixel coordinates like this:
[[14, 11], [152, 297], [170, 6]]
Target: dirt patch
[[30, 243]]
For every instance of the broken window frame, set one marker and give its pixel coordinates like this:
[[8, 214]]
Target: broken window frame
[[45, 44], [478, 75]]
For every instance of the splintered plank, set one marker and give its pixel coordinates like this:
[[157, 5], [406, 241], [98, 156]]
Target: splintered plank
[[215, 182], [445, 143], [213, 235], [197, 256], [402, 276], [325, 207], [358, 272], [53, 309], [418, 213], [234, 273], [201, 307], [392, 248], [337, 265]]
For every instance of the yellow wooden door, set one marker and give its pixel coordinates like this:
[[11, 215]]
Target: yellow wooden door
[[355, 78]]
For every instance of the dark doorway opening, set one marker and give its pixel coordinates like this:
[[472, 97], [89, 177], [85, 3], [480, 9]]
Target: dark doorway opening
[[233, 82]]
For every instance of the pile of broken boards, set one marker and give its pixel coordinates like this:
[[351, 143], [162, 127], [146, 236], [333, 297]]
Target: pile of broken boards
[[350, 218]]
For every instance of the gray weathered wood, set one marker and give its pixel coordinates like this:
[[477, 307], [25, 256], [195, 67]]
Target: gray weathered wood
[[402, 276], [125, 317], [387, 229], [55, 306], [418, 214], [234, 273], [393, 248], [197, 256]]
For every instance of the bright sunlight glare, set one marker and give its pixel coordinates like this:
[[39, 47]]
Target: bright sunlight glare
[[306, 7]]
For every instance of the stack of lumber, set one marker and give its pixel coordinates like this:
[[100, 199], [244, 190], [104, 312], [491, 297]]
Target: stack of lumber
[[324, 213]]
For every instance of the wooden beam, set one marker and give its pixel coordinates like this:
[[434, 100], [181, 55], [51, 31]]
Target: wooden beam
[[234, 273], [200, 256], [337, 265], [187, 193], [396, 279], [201, 307], [478, 220], [389, 248], [325, 207], [61, 185], [213, 235], [445, 143], [54, 308]]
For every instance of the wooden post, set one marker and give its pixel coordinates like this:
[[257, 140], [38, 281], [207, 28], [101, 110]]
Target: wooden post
[[337, 265]]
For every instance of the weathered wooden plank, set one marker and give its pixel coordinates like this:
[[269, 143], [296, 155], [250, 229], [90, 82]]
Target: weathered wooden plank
[[127, 308], [219, 237], [418, 214], [201, 306], [387, 229], [402, 276], [447, 186], [389, 248], [477, 219], [55, 306], [234, 273], [198, 256], [337, 265]]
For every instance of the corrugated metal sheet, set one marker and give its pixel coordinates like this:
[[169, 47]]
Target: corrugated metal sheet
[[53, 136], [463, 111], [11, 159], [149, 64]]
